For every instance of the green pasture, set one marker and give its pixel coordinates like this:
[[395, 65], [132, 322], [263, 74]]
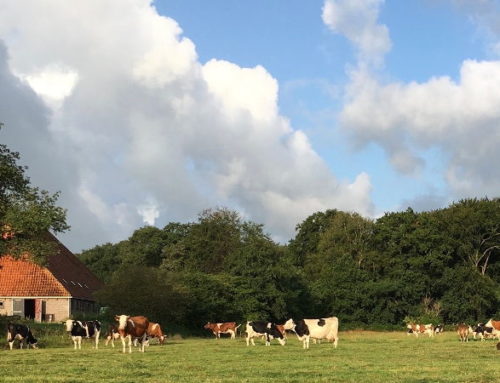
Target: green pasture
[[362, 356]]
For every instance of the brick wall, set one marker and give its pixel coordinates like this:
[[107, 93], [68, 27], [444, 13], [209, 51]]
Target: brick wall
[[59, 307]]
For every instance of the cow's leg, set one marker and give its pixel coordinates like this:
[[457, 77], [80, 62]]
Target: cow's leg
[[253, 342], [122, 338], [233, 335], [80, 342], [11, 344], [143, 343], [129, 343], [268, 341], [97, 334], [306, 341]]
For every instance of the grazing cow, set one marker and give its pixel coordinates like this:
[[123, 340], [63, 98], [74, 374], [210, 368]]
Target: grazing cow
[[418, 329], [222, 328], [83, 329], [132, 327], [267, 329], [463, 332], [439, 329], [324, 328], [495, 328], [154, 331], [112, 334], [22, 333]]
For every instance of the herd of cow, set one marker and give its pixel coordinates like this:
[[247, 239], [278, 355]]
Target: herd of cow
[[491, 329], [140, 330]]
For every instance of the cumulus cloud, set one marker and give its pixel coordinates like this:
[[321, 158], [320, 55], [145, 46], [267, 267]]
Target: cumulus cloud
[[138, 130], [357, 20], [460, 118]]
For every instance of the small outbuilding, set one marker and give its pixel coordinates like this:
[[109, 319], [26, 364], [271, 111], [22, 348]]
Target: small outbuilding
[[63, 288]]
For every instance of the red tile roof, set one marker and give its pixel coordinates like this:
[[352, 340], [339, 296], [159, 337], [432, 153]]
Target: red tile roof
[[65, 275]]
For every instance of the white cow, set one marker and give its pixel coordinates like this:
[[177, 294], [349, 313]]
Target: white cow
[[323, 328]]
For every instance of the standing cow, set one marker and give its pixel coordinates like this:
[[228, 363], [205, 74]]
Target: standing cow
[[417, 329], [323, 328], [463, 332], [112, 334], [494, 325], [266, 329], [132, 327], [222, 328], [83, 329], [22, 333]]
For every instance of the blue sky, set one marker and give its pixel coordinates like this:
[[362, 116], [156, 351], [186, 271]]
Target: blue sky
[[154, 111]]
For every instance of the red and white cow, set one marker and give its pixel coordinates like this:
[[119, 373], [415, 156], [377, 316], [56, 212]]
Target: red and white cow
[[222, 328], [132, 327], [323, 328], [418, 329], [495, 326], [463, 332]]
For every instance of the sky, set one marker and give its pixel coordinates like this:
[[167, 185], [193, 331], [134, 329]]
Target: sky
[[147, 112]]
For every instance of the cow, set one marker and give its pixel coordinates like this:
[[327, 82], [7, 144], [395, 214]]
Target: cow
[[418, 329], [463, 332], [267, 329], [222, 328], [112, 334], [495, 326], [154, 331], [83, 329], [22, 333], [439, 329], [132, 327], [323, 328]]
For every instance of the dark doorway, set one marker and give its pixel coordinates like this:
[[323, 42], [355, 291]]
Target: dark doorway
[[29, 308]]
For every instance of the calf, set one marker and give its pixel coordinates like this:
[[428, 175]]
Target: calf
[[323, 328], [463, 332], [154, 331], [222, 328], [22, 333], [266, 329], [83, 329]]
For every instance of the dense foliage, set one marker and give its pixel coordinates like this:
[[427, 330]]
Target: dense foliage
[[442, 265], [27, 213]]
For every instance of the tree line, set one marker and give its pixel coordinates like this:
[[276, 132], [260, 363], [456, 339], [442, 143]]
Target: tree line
[[437, 266]]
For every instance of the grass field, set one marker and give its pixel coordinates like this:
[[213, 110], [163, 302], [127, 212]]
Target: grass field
[[362, 356]]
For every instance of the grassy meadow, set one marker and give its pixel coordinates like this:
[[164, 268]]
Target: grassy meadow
[[362, 356]]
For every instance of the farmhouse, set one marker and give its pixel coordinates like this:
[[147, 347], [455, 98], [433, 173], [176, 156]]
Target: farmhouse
[[61, 289]]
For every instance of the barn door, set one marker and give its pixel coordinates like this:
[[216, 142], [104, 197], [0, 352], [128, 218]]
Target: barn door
[[18, 307]]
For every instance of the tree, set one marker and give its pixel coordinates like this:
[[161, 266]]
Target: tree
[[27, 213]]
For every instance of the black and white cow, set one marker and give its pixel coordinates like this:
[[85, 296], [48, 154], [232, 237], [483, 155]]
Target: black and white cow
[[323, 328], [266, 329], [112, 334], [482, 331], [82, 329], [22, 333], [439, 329]]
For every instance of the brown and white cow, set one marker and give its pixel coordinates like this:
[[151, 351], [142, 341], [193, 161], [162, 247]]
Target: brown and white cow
[[132, 327], [418, 329], [495, 326], [222, 328], [154, 331], [463, 332]]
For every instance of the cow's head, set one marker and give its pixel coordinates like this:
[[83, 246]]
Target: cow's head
[[69, 324], [208, 326], [289, 325], [122, 321]]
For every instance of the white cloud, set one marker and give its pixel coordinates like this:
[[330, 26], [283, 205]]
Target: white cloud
[[460, 118], [145, 121], [357, 21]]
